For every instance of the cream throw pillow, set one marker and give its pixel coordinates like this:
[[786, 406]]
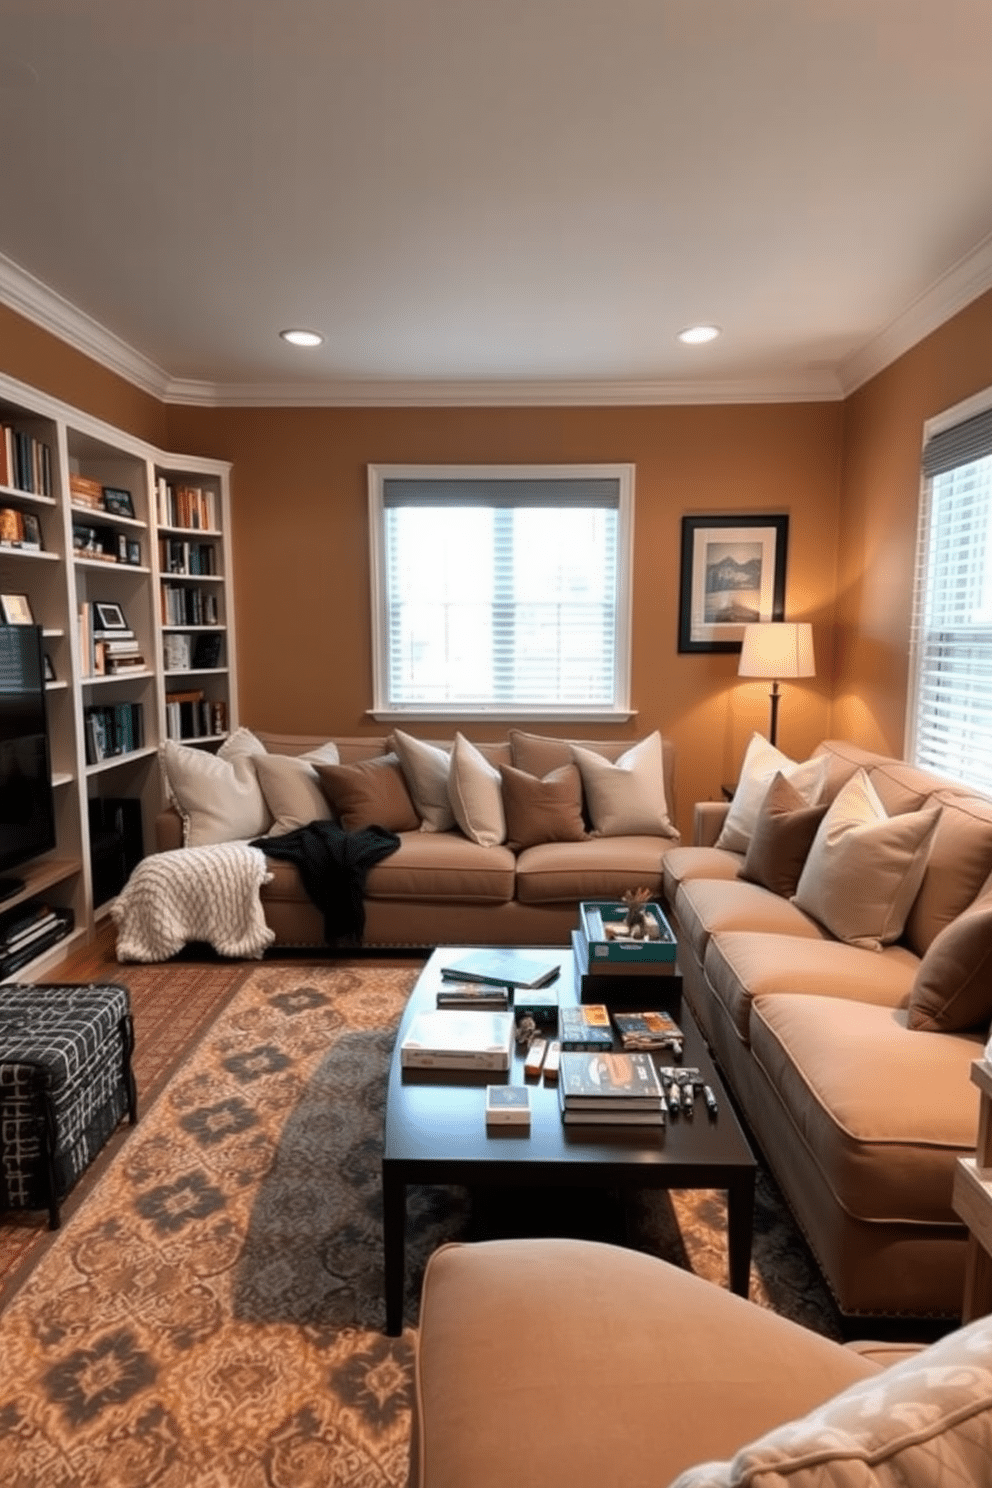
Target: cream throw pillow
[[865, 867], [426, 768], [476, 795], [922, 1422], [626, 799], [761, 763], [217, 795], [292, 789]]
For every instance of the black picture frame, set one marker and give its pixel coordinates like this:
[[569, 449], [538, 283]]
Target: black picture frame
[[747, 555], [134, 551], [118, 501], [108, 616], [49, 669]]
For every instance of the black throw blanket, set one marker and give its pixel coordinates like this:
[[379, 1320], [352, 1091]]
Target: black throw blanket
[[333, 865]]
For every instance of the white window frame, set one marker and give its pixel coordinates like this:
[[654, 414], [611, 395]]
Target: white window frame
[[915, 748], [620, 709]]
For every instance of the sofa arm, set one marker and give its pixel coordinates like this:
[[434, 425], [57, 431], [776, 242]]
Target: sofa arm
[[573, 1364], [168, 830], [708, 818]]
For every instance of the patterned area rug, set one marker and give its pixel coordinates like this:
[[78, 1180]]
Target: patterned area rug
[[212, 1314]]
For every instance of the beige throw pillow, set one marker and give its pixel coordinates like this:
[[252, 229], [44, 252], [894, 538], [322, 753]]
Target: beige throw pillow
[[476, 794], [626, 799], [426, 768], [952, 992], [217, 795], [292, 791], [782, 837], [761, 763], [865, 867], [370, 793], [548, 810]]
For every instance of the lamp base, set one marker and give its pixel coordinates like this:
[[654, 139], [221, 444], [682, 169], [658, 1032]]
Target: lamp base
[[775, 695]]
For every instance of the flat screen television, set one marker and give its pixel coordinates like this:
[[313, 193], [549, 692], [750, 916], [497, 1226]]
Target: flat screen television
[[27, 806]]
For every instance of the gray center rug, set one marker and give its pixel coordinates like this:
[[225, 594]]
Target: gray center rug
[[212, 1314]]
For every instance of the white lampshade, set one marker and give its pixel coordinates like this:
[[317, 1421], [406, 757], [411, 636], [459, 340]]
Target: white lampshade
[[777, 649]]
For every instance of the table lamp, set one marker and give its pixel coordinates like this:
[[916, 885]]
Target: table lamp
[[779, 650]]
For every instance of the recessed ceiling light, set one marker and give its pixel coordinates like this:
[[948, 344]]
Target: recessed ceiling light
[[698, 335], [302, 338]]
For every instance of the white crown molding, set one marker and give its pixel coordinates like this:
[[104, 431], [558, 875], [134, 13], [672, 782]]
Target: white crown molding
[[962, 284], [22, 292]]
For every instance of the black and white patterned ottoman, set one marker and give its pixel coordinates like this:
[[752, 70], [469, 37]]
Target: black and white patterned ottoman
[[65, 1083]]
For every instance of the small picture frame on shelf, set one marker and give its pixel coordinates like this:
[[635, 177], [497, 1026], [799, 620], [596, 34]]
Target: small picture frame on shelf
[[134, 552], [108, 616], [122, 547], [32, 530], [118, 502], [16, 609], [49, 669]]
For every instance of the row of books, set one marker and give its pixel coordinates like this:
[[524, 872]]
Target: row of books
[[182, 652], [182, 605], [191, 715], [186, 506], [28, 930], [112, 729], [178, 556], [25, 462]]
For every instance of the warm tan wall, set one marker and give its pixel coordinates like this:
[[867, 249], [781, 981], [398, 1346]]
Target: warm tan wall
[[42, 361], [880, 487], [302, 557]]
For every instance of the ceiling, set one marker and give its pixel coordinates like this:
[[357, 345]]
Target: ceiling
[[495, 200]]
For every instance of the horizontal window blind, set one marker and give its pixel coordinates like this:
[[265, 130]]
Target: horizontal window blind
[[951, 703], [501, 595]]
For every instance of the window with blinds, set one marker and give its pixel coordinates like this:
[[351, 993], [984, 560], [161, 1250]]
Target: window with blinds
[[950, 715], [501, 591]]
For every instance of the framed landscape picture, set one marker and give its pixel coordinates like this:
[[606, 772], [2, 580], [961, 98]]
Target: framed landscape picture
[[108, 616], [16, 609], [118, 501], [732, 574]]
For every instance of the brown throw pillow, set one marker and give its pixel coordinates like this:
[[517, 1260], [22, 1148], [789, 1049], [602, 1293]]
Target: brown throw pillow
[[952, 992], [782, 837], [548, 810], [370, 793]]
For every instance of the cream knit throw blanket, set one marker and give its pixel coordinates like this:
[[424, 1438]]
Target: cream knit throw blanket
[[194, 893]]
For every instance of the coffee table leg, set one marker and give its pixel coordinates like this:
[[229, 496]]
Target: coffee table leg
[[740, 1226], [394, 1245]]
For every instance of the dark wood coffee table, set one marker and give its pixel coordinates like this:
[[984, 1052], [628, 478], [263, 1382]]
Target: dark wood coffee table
[[436, 1134]]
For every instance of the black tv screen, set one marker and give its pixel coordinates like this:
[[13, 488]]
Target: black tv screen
[[27, 808]]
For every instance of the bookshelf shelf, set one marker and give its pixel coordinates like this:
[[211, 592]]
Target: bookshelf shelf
[[74, 459]]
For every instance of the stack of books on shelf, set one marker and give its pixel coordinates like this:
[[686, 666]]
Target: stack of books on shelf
[[117, 728], [459, 1039], [107, 650], [27, 931], [186, 506], [86, 493], [192, 715], [610, 1090], [25, 462]]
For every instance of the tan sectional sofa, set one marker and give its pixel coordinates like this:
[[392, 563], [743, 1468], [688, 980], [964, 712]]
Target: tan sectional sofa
[[570, 1364], [852, 1064], [441, 887]]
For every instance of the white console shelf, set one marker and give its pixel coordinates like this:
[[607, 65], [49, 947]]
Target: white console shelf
[[162, 558]]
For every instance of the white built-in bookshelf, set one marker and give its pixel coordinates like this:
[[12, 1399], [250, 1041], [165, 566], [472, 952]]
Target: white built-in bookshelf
[[128, 533]]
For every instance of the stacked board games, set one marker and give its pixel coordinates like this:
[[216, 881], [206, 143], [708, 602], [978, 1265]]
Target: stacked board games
[[610, 1090]]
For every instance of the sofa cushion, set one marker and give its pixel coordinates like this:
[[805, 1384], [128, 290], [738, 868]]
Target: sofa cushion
[[952, 990], [883, 1112], [217, 795], [783, 835], [443, 866], [369, 793], [960, 862], [626, 798], [426, 768], [762, 761], [476, 794], [741, 965], [682, 863], [865, 867], [542, 810], [292, 792], [924, 1421], [599, 868], [705, 906]]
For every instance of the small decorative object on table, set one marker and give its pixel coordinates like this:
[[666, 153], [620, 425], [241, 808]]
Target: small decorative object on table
[[507, 1105]]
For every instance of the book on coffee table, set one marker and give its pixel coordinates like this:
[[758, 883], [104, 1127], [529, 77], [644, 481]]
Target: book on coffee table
[[609, 1082], [459, 1039], [502, 967]]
